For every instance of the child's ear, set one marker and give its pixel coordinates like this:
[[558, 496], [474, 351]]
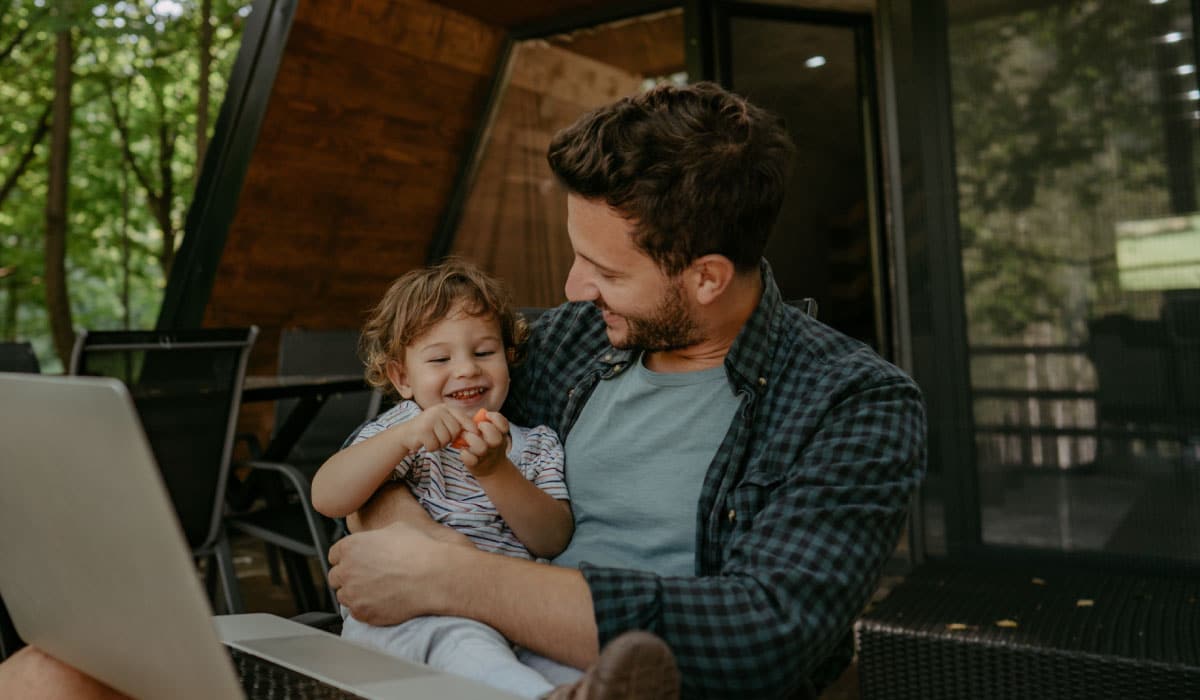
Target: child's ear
[[396, 375], [510, 354]]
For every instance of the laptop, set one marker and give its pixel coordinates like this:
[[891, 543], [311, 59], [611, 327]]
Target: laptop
[[95, 571]]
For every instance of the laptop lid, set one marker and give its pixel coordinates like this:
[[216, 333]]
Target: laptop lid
[[95, 571]]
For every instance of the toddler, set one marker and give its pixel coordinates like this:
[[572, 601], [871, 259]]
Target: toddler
[[442, 339]]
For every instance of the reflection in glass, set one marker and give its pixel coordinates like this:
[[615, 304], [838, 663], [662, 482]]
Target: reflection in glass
[[1075, 146]]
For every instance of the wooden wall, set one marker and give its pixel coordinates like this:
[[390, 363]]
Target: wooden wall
[[373, 104], [372, 107]]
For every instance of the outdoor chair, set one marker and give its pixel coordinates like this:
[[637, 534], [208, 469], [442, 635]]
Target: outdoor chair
[[18, 357], [285, 518], [186, 386]]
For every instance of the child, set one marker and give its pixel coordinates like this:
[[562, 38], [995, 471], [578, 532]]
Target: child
[[442, 338]]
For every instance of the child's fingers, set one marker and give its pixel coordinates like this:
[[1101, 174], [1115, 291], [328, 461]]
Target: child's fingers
[[497, 419], [491, 433], [474, 443], [445, 431]]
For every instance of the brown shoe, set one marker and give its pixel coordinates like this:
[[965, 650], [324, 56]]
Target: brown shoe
[[636, 665]]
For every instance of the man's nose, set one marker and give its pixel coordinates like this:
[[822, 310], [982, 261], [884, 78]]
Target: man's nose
[[578, 287]]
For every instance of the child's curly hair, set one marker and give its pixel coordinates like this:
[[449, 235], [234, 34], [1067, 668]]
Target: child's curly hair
[[421, 298]]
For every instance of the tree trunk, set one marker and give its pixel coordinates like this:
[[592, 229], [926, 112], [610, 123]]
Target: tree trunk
[[166, 199], [58, 304], [206, 41]]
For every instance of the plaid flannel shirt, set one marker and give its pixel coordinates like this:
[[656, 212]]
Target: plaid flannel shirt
[[801, 506]]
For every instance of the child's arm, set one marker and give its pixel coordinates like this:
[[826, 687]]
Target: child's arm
[[349, 478], [543, 523]]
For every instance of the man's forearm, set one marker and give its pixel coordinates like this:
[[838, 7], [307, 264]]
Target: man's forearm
[[547, 609]]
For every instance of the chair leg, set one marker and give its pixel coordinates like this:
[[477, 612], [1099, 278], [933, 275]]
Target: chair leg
[[300, 581], [229, 582], [272, 556], [210, 577]]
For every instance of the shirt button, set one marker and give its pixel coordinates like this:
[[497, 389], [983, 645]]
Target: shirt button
[[571, 393], [762, 381], [732, 515], [608, 357], [618, 368]]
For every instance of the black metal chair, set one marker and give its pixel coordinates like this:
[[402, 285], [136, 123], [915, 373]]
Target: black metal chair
[[186, 386], [286, 519], [18, 357]]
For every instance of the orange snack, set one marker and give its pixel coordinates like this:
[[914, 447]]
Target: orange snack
[[479, 417]]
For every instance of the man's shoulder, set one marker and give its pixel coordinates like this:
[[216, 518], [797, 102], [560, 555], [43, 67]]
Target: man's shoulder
[[812, 351]]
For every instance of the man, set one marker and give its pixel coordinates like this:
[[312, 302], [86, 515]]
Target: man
[[739, 472]]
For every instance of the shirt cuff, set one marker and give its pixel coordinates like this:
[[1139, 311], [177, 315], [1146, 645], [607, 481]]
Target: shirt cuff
[[623, 599]]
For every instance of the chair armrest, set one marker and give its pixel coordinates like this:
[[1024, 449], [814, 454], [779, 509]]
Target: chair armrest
[[303, 486], [294, 476]]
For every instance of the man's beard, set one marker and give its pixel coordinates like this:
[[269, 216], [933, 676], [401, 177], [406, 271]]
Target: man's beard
[[668, 327]]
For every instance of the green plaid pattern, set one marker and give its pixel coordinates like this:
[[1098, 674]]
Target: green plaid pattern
[[801, 506]]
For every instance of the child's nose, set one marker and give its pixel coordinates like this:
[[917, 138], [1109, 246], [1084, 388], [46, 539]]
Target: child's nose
[[467, 367]]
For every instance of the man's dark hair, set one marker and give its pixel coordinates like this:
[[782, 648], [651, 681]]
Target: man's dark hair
[[698, 169]]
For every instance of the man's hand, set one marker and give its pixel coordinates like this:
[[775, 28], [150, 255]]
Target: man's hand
[[486, 449], [393, 574]]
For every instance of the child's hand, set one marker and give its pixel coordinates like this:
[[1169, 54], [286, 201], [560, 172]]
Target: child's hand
[[434, 428], [486, 445]]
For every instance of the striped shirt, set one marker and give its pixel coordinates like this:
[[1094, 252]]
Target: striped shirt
[[451, 494], [800, 507]]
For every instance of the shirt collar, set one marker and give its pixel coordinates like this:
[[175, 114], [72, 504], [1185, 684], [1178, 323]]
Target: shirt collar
[[751, 354]]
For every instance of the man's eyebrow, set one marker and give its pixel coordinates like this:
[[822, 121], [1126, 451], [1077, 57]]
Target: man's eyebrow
[[604, 268]]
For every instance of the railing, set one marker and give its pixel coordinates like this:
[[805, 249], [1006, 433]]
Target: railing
[[1057, 418]]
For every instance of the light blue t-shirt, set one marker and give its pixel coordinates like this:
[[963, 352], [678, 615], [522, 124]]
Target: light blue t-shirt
[[636, 460]]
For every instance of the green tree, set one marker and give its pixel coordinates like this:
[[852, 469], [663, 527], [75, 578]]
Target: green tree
[[140, 117]]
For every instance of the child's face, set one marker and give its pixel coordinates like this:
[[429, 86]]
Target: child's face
[[460, 361]]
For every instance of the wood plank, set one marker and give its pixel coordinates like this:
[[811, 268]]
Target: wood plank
[[420, 29]]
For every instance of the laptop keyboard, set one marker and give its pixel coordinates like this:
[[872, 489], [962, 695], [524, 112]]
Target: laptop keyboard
[[263, 680]]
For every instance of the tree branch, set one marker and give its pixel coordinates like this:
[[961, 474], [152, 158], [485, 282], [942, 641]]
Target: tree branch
[[39, 134], [123, 131], [20, 35]]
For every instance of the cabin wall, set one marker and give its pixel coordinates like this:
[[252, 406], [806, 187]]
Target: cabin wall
[[373, 104]]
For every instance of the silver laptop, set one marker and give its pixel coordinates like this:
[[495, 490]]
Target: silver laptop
[[95, 571]]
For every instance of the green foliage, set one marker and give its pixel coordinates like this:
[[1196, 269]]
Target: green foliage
[[1058, 125], [141, 56]]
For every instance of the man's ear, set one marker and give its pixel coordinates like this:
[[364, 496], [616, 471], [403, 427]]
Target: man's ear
[[399, 380], [709, 277]]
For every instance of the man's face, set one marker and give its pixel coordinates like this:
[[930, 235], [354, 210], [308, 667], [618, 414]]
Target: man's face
[[642, 306]]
